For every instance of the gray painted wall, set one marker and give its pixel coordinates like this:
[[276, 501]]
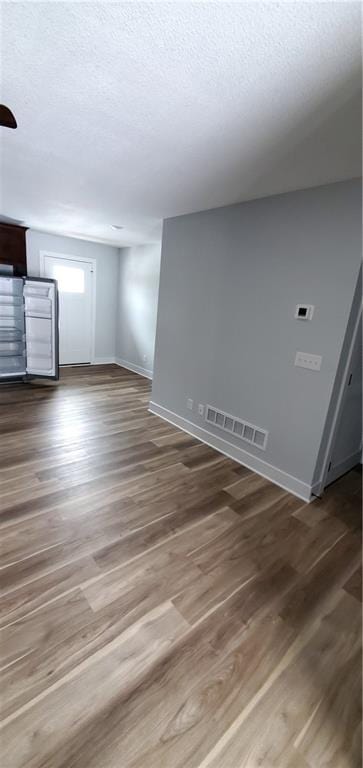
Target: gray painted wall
[[226, 333], [137, 308], [107, 271]]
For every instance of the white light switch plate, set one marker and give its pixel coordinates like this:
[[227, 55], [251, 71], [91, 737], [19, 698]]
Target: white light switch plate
[[190, 404], [305, 360]]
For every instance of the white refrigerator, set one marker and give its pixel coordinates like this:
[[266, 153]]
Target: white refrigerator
[[28, 328]]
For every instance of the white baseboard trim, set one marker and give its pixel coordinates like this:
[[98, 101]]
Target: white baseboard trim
[[134, 368], [277, 476], [103, 361]]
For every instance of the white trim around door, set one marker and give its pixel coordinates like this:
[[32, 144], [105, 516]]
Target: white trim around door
[[319, 486], [81, 259]]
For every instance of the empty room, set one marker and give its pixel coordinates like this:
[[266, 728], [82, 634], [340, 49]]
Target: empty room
[[180, 384]]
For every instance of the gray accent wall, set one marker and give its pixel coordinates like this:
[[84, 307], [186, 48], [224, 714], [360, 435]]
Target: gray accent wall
[[107, 272], [137, 306], [226, 332]]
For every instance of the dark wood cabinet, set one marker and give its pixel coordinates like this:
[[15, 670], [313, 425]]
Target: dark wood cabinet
[[13, 247]]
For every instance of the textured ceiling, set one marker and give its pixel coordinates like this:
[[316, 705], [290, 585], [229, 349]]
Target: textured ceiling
[[132, 112]]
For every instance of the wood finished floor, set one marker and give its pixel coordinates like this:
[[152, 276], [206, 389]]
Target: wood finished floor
[[162, 606]]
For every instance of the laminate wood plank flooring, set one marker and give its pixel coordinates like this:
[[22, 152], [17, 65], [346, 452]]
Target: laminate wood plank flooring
[[162, 606]]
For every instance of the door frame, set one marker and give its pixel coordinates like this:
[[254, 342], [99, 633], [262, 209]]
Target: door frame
[[319, 487], [86, 260]]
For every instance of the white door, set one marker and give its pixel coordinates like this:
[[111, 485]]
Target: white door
[[347, 446], [75, 306]]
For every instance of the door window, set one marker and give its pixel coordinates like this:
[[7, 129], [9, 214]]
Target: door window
[[69, 279]]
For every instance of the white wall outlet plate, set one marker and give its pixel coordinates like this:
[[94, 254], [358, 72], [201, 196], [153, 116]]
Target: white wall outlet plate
[[201, 409], [306, 360], [145, 358], [190, 404]]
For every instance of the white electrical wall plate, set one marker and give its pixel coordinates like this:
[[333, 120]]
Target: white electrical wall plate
[[304, 311], [306, 360]]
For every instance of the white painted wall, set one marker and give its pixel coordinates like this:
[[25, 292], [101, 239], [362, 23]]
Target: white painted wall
[[137, 307], [107, 277], [226, 334]]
